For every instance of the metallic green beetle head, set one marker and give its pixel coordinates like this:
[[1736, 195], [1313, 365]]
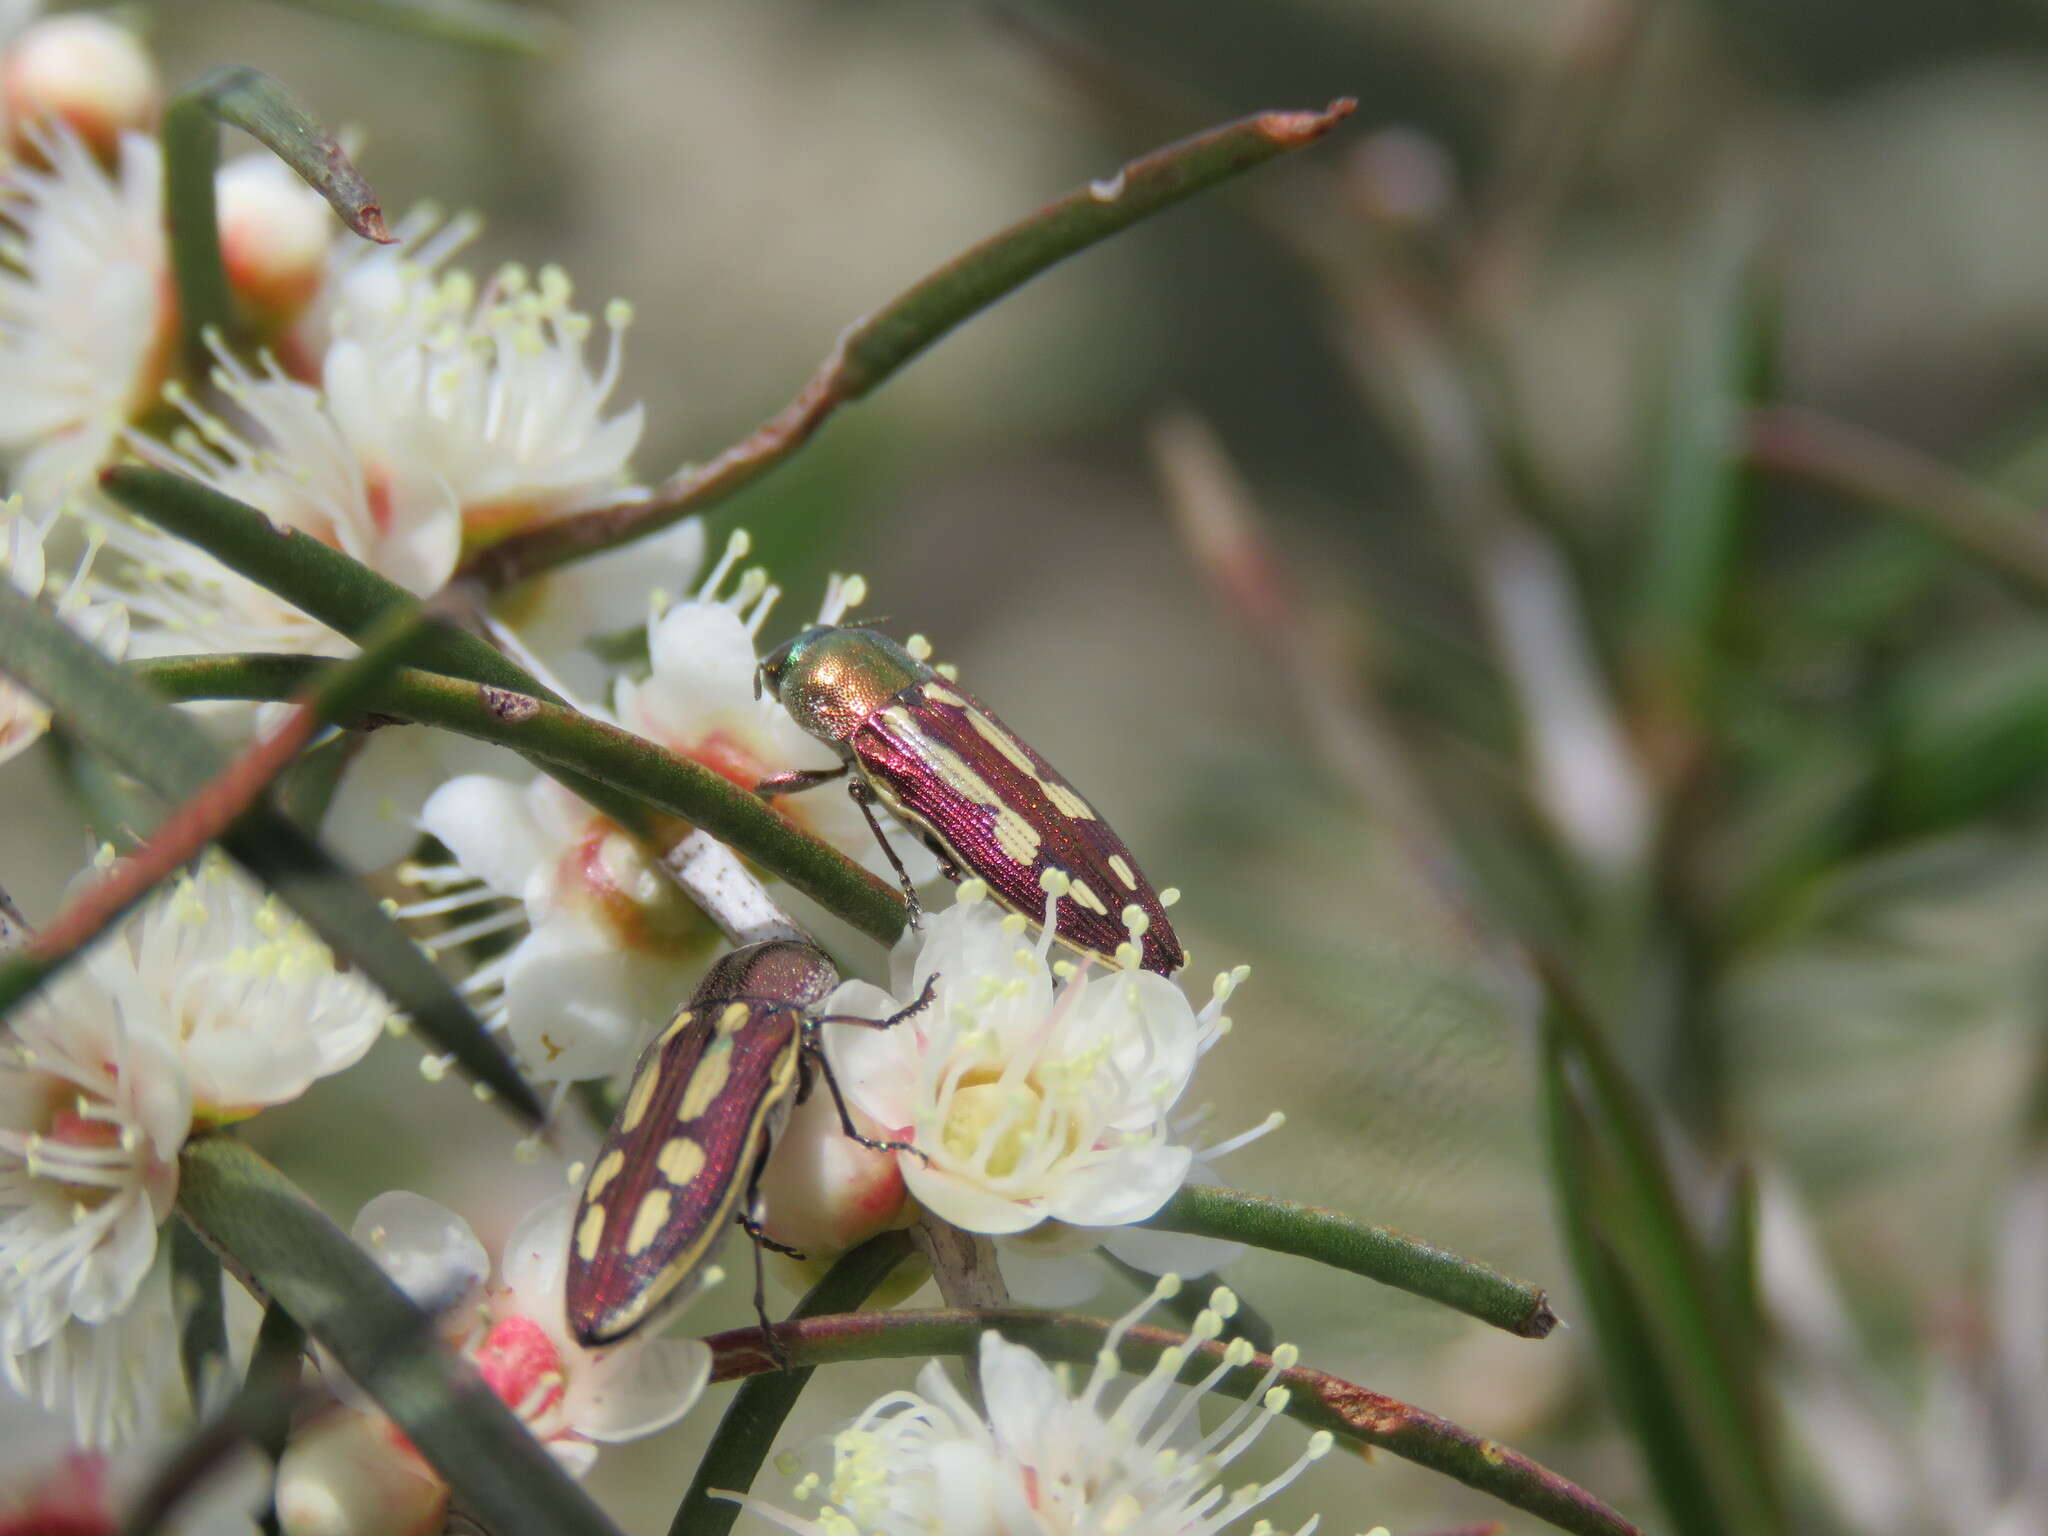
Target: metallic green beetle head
[[831, 679]]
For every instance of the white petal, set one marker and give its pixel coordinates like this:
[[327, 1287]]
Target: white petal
[[636, 1388], [1121, 1189], [428, 1251], [486, 824], [599, 596], [1170, 1253], [579, 1006], [966, 1204], [374, 818], [535, 1257]]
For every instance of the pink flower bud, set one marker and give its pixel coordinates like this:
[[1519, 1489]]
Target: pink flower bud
[[274, 235], [83, 70], [354, 1474], [824, 1192]]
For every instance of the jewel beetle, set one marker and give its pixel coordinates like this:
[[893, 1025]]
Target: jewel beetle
[[982, 800], [683, 1158]]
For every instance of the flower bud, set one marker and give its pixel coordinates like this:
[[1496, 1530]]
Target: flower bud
[[823, 1191], [354, 1474], [274, 235], [82, 70]]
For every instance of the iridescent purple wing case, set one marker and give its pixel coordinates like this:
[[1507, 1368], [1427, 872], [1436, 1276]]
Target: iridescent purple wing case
[[941, 761], [668, 1180]]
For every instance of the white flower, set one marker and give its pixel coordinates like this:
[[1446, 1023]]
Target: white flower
[[1048, 1461], [699, 700], [611, 942], [22, 717], [207, 1005], [491, 391], [290, 459], [53, 1479], [250, 997], [1033, 1100], [87, 322], [516, 1331], [111, 1382]]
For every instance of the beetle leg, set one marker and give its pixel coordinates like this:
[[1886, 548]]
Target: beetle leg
[[865, 799], [924, 1001], [797, 780], [846, 1124], [752, 1226]]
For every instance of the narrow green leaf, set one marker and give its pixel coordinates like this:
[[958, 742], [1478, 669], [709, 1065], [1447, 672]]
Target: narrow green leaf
[[275, 1367], [1721, 366], [119, 716], [1736, 1252], [1644, 1396], [203, 1325], [1351, 1413], [1379, 1253], [308, 1266], [756, 1413], [250, 100], [487, 24], [611, 767], [1653, 1239], [875, 349]]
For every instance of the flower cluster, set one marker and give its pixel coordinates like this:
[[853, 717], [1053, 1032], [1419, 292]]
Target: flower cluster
[[209, 1005], [410, 414]]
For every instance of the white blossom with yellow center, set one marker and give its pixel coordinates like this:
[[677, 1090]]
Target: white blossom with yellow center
[[207, 1005], [1045, 1460], [1037, 1092]]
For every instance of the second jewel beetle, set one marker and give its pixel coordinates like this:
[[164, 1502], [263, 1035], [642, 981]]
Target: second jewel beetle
[[982, 800]]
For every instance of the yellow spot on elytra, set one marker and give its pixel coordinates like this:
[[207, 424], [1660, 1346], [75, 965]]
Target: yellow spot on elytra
[[1003, 742], [939, 693], [734, 1019], [589, 1232], [638, 1097], [708, 1081], [1016, 837], [1084, 895], [1121, 868], [648, 1221], [676, 1026], [681, 1160], [953, 770], [606, 1170], [1065, 801]]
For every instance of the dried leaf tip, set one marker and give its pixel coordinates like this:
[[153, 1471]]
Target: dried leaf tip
[[1292, 128]]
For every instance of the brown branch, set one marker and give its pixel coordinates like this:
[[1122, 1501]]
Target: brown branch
[[2003, 533], [876, 347]]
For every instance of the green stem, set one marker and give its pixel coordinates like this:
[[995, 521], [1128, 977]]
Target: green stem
[[202, 1327], [569, 745], [756, 1413], [269, 1230], [1379, 1253], [878, 346], [1316, 1399], [261, 107]]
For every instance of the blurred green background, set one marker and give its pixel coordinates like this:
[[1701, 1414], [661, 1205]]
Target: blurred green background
[[1845, 988]]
